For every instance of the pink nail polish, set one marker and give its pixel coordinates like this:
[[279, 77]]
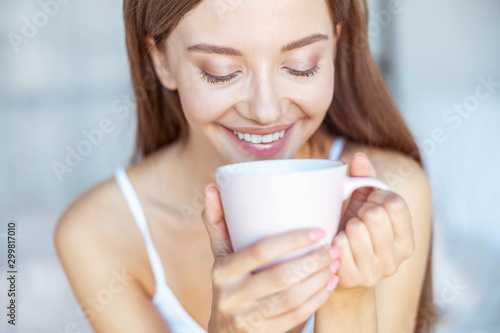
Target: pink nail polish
[[334, 266], [333, 283], [334, 251], [211, 192], [316, 234]]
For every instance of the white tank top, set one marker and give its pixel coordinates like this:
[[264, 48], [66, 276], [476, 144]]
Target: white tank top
[[177, 318]]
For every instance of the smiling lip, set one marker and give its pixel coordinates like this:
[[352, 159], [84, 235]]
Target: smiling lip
[[261, 131], [263, 149]]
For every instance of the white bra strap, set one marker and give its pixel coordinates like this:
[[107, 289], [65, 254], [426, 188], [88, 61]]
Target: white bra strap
[[336, 149], [140, 218]]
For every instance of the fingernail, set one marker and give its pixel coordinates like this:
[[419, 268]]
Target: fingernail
[[334, 266], [334, 251], [333, 283], [362, 156], [211, 191], [316, 234]]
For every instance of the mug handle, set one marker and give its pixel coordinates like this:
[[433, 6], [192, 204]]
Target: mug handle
[[353, 183]]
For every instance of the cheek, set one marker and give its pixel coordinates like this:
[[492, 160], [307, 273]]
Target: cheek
[[324, 95], [315, 98], [200, 104]]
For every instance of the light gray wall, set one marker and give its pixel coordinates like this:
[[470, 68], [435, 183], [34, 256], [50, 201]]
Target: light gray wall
[[69, 75], [442, 52]]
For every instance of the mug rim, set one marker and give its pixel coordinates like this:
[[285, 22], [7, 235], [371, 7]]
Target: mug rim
[[232, 168]]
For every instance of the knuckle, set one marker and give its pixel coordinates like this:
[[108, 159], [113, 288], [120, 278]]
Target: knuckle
[[223, 305], [257, 251], [392, 267], [290, 276], [373, 213], [354, 228], [278, 274], [370, 276], [217, 275], [340, 241], [394, 202], [290, 300], [410, 249], [406, 231]]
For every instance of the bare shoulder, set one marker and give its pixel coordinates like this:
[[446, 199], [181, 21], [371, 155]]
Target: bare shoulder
[[96, 216], [104, 258], [97, 233], [102, 253]]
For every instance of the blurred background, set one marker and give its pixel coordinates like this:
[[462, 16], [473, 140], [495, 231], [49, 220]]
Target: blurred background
[[64, 72]]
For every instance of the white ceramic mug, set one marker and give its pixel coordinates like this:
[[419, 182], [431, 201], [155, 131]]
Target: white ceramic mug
[[270, 197]]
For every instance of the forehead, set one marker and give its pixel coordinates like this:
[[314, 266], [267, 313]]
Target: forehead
[[254, 24]]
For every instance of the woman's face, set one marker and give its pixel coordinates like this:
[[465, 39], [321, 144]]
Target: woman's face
[[254, 66]]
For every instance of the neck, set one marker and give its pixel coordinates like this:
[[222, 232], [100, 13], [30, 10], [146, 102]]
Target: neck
[[193, 163], [199, 160]]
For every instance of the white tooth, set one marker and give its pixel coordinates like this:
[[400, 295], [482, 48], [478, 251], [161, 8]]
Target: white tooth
[[267, 138], [256, 138], [234, 132]]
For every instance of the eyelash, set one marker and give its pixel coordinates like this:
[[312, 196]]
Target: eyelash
[[216, 79], [220, 79], [308, 73]]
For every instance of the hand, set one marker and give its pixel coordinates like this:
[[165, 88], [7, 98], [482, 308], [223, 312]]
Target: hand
[[376, 234], [275, 299]]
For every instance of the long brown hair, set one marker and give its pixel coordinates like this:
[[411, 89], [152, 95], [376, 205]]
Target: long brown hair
[[362, 109]]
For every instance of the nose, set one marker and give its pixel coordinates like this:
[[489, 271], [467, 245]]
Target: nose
[[266, 104]]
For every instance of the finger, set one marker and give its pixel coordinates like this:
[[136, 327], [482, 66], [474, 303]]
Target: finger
[[347, 271], [293, 297], [398, 212], [360, 167], [300, 314], [213, 218], [379, 226], [268, 249], [361, 245], [283, 275]]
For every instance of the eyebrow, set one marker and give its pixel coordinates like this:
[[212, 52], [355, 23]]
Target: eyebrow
[[209, 48]]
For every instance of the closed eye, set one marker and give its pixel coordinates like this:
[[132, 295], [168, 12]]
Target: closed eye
[[217, 79], [308, 73], [226, 78]]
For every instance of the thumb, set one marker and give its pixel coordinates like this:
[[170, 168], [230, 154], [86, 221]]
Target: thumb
[[360, 167], [213, 218]]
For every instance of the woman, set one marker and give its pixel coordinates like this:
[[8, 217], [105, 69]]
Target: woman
[[148, 251]]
